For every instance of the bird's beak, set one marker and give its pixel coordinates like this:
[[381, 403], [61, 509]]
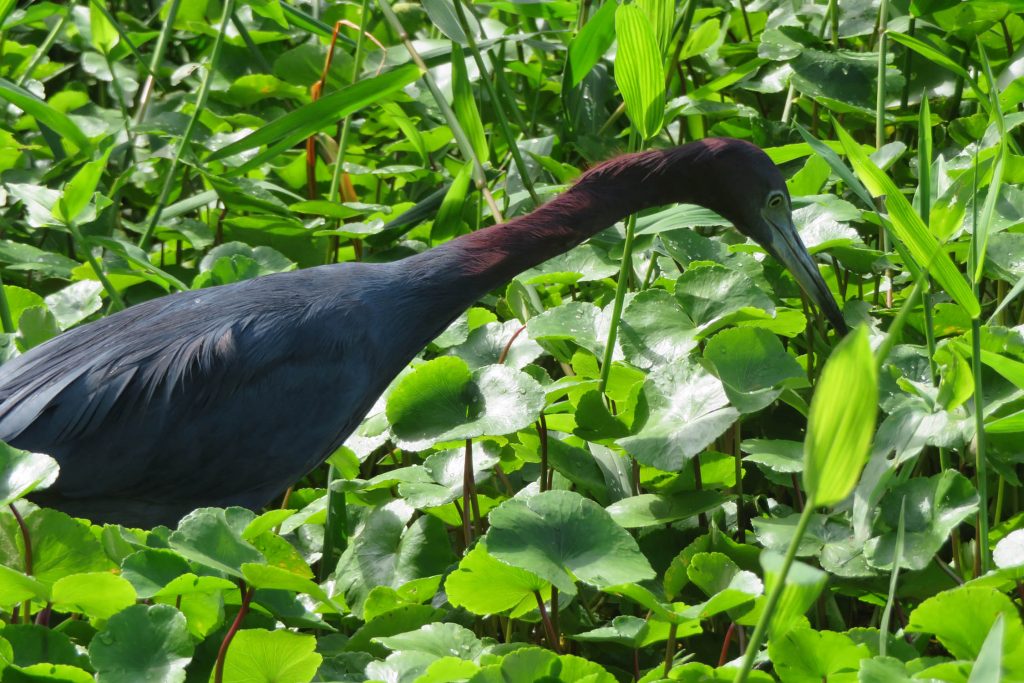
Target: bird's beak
[[787, 247]]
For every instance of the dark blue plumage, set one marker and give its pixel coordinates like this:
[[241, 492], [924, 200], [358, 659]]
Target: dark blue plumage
[[228, 395]]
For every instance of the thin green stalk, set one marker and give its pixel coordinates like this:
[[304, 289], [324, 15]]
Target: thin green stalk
[[463, 143], [625, 272], [154, 63], [335, 526], [883, 628], [773, 597], [883, 20], [43, 48], [116, 302], [670, 649], [6, 322], [898, 322], [981, 465], [499, 110], [186, 138]]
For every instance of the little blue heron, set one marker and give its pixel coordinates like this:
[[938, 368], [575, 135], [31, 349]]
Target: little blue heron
[[227, 395]]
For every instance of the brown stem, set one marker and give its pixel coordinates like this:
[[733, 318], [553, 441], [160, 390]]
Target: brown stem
[[467, 493], [724, 656], [698, 485], [504, 351], [218, 671], [549, 629], [542, 431], [554, 615], [670, 649]]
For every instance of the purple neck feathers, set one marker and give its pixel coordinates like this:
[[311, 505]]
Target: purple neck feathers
[[604, 195]]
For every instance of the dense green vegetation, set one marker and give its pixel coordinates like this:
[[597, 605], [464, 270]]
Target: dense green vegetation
[[678, 470]]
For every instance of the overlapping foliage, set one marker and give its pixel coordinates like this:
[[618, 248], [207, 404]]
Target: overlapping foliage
[[645, 459]]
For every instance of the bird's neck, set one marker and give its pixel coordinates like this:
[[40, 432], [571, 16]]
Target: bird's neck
[[603, 196]]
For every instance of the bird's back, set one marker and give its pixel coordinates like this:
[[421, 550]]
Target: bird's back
[[230, 393]]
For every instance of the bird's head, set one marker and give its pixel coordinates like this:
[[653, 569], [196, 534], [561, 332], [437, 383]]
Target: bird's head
[[741, 183]]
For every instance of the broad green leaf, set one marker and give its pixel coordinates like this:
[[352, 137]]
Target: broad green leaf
[[803, 585], [486, 344], [53, 673], [104, 34], [150, 569], [260, 656], [61, 546], [44, 114], [22, 473], [484, 585], [976, 610], [803, 656], [688, 409], [142, 643], [213, 538], [440, 640], [700, 39], [297, 125], [753, 366], [934, 507], [710, 292], [655, 331], [99, 595], [561, 537], [639, 70], [465, 105], [16, 587], [841, 421], [649, 509], [909, 227], [441, 400], [593, 40]]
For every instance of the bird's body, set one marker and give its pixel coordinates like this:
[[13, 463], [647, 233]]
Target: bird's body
[[226, 396]]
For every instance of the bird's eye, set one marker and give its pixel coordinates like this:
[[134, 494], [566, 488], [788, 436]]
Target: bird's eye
[[775, 200]]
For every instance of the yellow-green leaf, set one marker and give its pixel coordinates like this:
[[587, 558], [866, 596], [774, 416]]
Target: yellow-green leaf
[[639, 71], [841, 421]]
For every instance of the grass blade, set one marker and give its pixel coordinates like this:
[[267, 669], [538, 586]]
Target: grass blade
[[909, 227]]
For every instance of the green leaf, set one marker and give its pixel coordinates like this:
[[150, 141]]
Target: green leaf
[[439, 640], [99, 595], [710, 292], [44, 114], [655, 331], [448, 222], [150, 569], [441, 400], [297, 125], [909, 228], [79, 190], [753, 366], [465, 106], [976, 609], [989, 666], [142, 643], [22, 472], [104, 34], [639, 70], [61, 546], [593, 40], [803, 585], [934, 507], [260, 656], [561, 536], [806, 656], [688, 410], [649, 509], [841, 421], [16, 587], [213, 538]]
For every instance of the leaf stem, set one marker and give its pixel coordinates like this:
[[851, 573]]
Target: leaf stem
[[247, 593], [186, 138], [773, 597]]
